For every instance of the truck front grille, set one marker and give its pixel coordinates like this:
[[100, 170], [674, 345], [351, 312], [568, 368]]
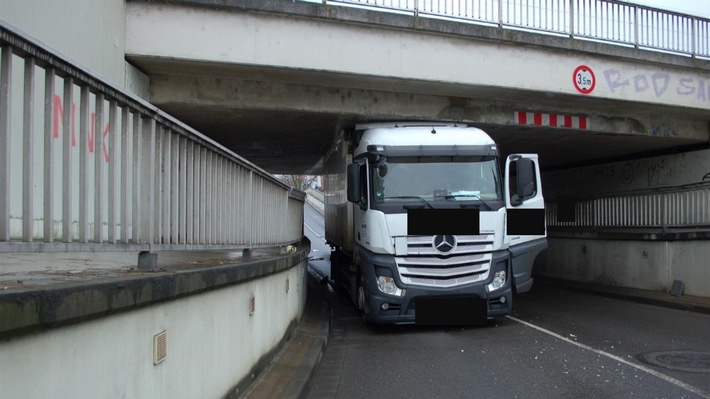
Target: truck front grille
[[424, 265], [422, 245]]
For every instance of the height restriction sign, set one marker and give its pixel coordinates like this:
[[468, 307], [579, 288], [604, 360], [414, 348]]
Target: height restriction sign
[[584, 80]]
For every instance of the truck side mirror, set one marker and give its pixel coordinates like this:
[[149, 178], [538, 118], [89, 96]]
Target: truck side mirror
[[525, 178], [354, 182]]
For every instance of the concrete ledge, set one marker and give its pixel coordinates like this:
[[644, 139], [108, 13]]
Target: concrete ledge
[[31, 309], [631, 233]]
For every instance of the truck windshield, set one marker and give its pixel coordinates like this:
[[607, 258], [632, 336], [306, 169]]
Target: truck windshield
[[405, 179]]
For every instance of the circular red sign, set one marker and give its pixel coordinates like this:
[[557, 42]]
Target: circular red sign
[[583, 79]]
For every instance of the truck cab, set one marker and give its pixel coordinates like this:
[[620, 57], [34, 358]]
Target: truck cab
[[424, 226]]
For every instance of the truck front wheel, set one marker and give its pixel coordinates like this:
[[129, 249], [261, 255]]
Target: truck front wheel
[[361, 301], [360, 297]]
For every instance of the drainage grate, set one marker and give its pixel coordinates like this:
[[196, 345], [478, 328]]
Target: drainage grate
[[691, 361]]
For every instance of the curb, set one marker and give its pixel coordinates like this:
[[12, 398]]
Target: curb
[[290, 373]]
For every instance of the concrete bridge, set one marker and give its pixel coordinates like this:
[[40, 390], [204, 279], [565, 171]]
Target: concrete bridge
[[138, 213], [242, 71]]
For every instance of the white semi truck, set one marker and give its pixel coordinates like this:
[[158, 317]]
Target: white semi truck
[[423, 226]]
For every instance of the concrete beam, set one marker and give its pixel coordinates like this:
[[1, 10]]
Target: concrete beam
[[249, 115], [231, 36], [239, 94]]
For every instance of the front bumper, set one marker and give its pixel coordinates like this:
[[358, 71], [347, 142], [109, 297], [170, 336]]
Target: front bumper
[[382, 308]]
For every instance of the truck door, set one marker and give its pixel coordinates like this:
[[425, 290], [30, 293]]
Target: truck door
[[525, 216]]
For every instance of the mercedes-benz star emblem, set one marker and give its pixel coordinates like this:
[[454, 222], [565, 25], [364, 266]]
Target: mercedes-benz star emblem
[[444, 243]]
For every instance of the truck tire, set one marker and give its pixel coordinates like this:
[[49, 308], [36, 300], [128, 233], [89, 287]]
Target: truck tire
[[361, 302], [335, 264], [360, 295]]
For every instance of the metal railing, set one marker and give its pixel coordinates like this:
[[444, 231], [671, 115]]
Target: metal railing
[[678, 208], [604, 20], [86, 166]]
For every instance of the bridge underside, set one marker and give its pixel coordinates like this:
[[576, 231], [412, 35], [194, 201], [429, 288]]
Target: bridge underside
[[275, 81], [284, 120]]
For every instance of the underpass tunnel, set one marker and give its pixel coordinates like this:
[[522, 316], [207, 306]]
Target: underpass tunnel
[[630, 211], [625, 170], [621, 210]]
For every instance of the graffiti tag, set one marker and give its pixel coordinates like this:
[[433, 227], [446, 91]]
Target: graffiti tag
[[659, 83], [59, 115]]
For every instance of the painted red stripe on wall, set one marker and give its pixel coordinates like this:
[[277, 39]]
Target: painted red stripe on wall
[[552, 120], [568, 121], [522, 118]]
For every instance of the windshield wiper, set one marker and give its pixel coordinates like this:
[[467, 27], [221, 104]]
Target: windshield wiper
[[448, 197], [411, 197]]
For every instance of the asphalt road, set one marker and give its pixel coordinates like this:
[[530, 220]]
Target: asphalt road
[[558, 343]]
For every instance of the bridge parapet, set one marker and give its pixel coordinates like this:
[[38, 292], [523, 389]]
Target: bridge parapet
[[604, 20], [87, 166]]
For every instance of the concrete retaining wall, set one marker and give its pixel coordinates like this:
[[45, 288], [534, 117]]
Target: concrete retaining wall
[[316, 200], [93, 33], [215, 347], [650, 265], [649, 254]]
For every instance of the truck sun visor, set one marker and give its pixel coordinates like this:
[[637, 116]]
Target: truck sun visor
[[443, 221], [433, 150]]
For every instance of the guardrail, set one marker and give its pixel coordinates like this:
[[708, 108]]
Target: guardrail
[[121, 175], [604, 20], [681, 207]]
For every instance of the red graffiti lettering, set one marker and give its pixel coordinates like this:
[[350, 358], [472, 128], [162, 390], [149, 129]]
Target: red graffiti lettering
[[59, 115], [103, 142]]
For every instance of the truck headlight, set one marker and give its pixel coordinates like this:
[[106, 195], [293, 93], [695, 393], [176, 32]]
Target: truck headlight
[[499, 279], [388, 286]]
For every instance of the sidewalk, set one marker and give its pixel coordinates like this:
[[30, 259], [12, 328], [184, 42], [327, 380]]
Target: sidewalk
[[683, 302], [289, 374]]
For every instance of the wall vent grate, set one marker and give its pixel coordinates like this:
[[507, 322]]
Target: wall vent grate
[[160, 347]]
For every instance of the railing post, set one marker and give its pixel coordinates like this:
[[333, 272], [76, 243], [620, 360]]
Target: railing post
[[49, 78], [571, 18], [500, 13], [693, 42], [250, 204], [636, 26], [416, 8], [68, 133], [84, 129], [5, 93], [98, 170], [28, 152], [147, 154]]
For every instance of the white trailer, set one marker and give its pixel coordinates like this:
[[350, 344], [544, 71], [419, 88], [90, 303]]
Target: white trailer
[[424, 227]]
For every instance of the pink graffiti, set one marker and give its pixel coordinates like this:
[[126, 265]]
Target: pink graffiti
[[59, 115]]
